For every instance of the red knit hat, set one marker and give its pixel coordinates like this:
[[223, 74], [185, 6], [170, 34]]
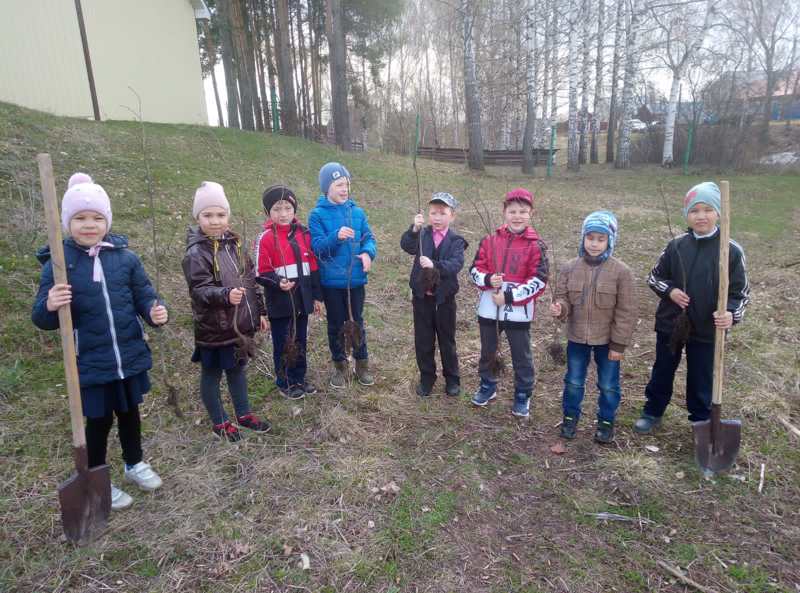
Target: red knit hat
[[519, 194]]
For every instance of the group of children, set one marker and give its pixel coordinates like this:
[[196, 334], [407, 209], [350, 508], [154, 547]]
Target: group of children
[[304, 271]]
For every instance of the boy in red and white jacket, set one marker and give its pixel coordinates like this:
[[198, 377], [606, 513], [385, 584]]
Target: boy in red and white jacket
[[510, 269], [287, 269]]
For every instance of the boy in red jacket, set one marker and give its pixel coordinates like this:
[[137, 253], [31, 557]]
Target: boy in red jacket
[[287, 268], [510, 269]]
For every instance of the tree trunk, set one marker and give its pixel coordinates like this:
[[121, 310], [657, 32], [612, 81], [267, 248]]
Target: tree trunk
[[258, 27], [269, 27], [573, 162], [252, 62], [669, 121], [553, 73], [242, 61], [338, 68], [454, 90], [532, 74], [598, 83], [623, 160], [677, 73], [288, 107], [211, 52], [316, 76], [471, 92], [226, 42], [583, 121], [301, 48], [612, 104], [430, 94], [543, 134]]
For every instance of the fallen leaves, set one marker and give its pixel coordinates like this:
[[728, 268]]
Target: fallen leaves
[[558, 448]]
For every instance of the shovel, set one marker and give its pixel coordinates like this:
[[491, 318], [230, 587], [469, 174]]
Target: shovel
[[86, 496], [716, 441]]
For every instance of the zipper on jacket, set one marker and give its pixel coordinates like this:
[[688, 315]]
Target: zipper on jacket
[[111, 323]]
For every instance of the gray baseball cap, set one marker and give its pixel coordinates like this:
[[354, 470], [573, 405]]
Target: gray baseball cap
[[442, 197]]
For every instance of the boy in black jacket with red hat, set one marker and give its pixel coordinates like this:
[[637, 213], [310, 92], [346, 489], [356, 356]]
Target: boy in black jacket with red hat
[[434, 284]]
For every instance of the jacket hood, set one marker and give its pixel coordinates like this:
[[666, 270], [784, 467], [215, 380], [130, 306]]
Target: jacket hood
[[194, 236], [117, 242]]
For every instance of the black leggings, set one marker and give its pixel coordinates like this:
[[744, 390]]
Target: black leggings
[[130, 436]]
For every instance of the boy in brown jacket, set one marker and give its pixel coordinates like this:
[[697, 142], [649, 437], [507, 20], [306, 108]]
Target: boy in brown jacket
[[595, 294]]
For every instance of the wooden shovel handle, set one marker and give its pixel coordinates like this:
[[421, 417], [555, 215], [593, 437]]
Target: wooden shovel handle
[[722, 295], [64, 314]]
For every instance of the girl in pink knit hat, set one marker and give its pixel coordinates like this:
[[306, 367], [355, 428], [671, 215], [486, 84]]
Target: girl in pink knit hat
[[108, 293], [227, 310]]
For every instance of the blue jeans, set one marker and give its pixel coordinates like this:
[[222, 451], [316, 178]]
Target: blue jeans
[[210, 393], [578, 356]]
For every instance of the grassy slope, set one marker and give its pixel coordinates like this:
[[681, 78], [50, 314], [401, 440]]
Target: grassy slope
[[483, 505]]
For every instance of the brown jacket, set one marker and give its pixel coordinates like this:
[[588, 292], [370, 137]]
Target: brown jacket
[[212, 268], [599, 302]]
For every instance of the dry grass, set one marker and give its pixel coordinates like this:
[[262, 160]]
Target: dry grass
[[377, 490]]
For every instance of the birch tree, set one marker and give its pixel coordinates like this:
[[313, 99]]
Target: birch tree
[[598, 84], [619, 41], [573, 149], [682, 39], [623, 160], [532, 74], [471, 91]]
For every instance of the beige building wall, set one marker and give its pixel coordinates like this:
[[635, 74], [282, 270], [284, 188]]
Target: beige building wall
[[149, 45]]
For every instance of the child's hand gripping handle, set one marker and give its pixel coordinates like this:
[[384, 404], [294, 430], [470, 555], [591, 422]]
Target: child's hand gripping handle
[[722, 294], [64, 314]]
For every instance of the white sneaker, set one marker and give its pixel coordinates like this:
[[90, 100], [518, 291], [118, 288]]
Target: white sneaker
[[120, 499], [143, 476]]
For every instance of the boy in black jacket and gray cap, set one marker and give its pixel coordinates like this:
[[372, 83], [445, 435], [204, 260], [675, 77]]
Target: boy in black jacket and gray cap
[[434, 284], [686, 278]]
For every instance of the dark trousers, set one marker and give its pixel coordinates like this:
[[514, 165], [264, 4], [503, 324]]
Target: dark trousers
[[699, 378], [519, 340], [129, 426], [432, 323], [237, 386], [337, 313], [281, 327]]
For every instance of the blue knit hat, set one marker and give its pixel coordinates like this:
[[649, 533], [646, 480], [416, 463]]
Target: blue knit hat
[[600, 221], [329, 173], [706, 193]]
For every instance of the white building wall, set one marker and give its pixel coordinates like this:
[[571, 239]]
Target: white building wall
[[150, 45]]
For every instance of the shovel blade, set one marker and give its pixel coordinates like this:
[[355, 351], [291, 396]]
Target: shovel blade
[[85, 499], [716, 450]]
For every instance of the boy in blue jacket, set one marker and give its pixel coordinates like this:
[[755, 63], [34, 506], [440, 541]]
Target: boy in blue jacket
[[345, 249]]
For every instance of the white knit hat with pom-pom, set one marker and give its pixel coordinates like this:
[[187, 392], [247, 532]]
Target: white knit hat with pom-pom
[[84, 194]]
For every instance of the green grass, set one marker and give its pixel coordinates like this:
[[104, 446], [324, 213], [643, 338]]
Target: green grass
[[483, 504]]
